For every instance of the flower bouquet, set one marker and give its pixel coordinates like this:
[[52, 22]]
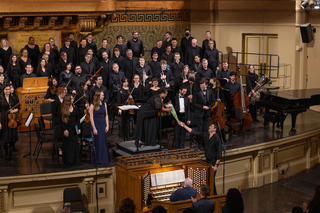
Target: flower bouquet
[[173, 111]]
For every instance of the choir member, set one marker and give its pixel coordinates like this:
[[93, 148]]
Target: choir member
[[51, 67], [73, 44], [176, 69], [224, 73], [158, 49], [144, 71], [6, 78], [117, 57], [62, 62], [33, 53], [70, 120], [51, 91], [104, 48], [56, 106], [168, 56], [232, 85], [2, 82], [100, 126], [53, 58], [205, 43], [87, 65], [136, 88], [69, 51], [186, 42], [136, 45], [196, 64], [122, 47], [212, 55], [202, 103], [14, 71], [192, 51], [115, 79], [65, 76], [147, 127], [129, 64], [94, 59], [251, 81], [175, 48], [167, 42], [82, 50], [204, 71], [5, 53], [154, 63], [91, 44], [28, 73], [42, 69], [154, 90], [181, 105], [23, 60], [99, 87], [76, 79], [123, 96], [165, 76], [54, 47], [106, 65], [9, 136]]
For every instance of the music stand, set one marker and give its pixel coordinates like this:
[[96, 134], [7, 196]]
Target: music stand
[[27, 124]]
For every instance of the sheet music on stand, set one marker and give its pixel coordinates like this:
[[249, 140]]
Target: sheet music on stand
[[164, 178], [128, 107]]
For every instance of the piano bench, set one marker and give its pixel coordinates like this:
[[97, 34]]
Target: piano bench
[[273, 117]]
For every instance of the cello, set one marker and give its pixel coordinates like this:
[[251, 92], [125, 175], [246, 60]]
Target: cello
[[241, 100], [217, 111]]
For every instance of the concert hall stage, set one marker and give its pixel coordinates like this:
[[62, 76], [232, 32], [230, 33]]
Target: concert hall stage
[[262, 157]]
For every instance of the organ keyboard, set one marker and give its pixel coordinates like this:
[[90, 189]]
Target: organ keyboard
[[159, 174]]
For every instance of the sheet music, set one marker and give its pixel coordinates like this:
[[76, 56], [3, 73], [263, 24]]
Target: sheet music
[[164, 178], [128, 107]]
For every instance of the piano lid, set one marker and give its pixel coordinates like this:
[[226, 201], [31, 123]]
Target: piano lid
[[296, 94]]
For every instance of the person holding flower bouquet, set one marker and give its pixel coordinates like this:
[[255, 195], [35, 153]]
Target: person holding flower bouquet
[[181, 105]]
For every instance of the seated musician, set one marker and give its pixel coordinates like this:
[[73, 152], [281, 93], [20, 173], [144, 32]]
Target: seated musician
[[154, 90], [115, 79], [51, 91], [123, 96], [202, 103], [182, 106], [137, 88], [28, 74], [204, 205], [165, 76], [65, 76], [81, 98], [232, 86], [99, 87], [224, 73], [185, 193]]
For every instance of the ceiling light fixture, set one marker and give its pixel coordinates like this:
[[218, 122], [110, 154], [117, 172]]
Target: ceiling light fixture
[[317, 5]]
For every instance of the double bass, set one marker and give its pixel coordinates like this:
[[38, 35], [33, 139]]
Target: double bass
[[241, 100], [217, 111]]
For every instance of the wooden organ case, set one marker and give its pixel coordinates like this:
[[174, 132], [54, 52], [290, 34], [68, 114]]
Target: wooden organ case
[[134, 174], [33, 90]]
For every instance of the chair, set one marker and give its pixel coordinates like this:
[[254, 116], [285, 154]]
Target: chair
[[57, 137], [45, 109], [236, 114], [86, 137], [40, 141], [73, 195], [44, 132], [115, 110]]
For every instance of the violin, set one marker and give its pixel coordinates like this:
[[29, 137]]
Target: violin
[[87, 119], [217, 111], [130, 101], [241, 100], [12, 119]]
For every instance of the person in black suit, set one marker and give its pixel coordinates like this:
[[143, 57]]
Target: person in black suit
[[185, 193], [202, 103], [165, 76], [191, 52], [104, 48], [136, 45], [88, 66], [91, 44], [106, 63], [158, 49], [204, 205], [175, 48], [115, 78], [144, 71], [129, 64], [182, 107]]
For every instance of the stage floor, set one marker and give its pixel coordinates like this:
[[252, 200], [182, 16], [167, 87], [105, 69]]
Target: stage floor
[[306, 122]]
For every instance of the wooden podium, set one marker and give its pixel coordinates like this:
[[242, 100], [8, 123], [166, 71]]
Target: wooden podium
[[33, 90]]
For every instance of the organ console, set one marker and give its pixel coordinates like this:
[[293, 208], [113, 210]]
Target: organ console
[[158, 173]]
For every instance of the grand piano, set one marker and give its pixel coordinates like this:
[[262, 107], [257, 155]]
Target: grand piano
[[291, 102]]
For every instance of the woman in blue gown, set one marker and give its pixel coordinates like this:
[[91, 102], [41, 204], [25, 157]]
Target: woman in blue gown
[[100, 126]]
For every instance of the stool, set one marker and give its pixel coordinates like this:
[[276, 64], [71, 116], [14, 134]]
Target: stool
[[274, 117]]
